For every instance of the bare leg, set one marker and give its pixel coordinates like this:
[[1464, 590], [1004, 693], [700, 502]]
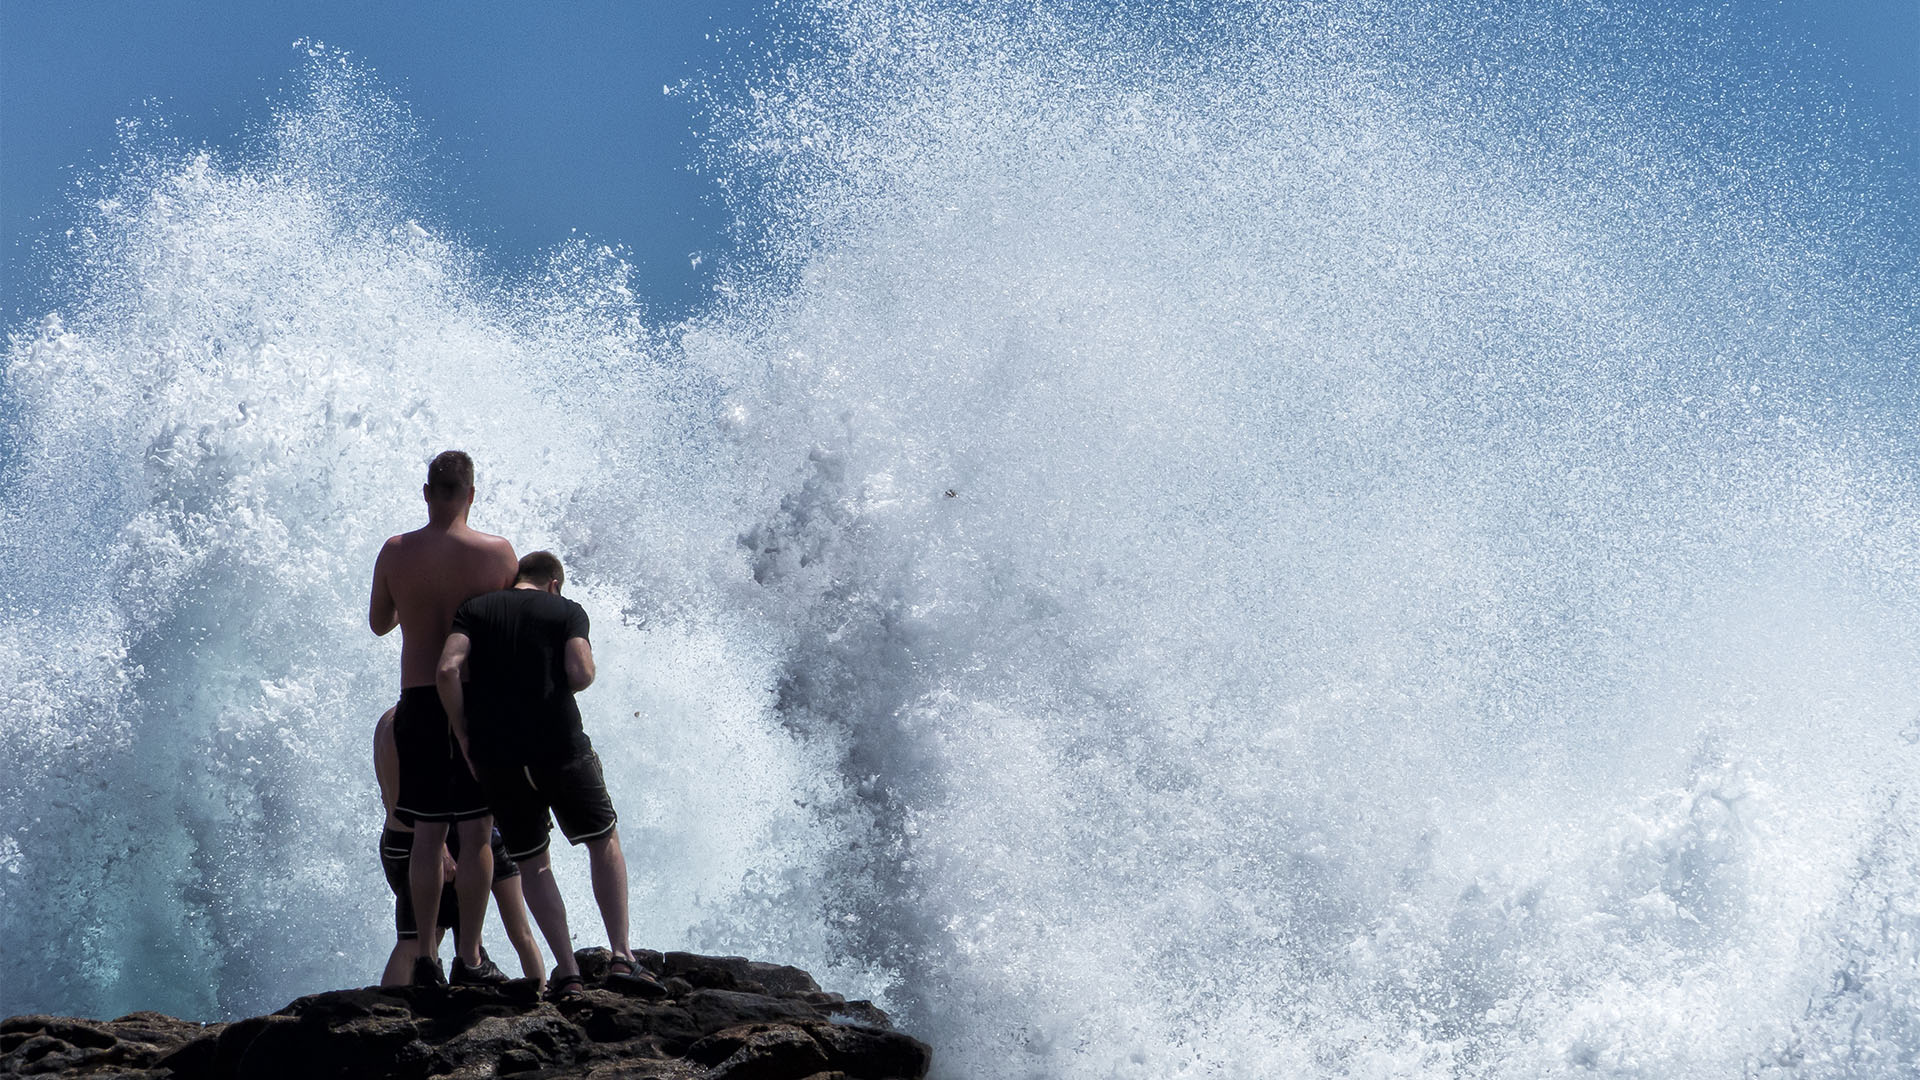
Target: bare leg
[[609, 866], [472, 880], [424, 870], [400, 963], [513, 915], [543, 900]]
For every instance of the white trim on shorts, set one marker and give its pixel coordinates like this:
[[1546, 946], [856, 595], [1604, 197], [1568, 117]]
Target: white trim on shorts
[[450, 817], [545, 843], [611, 825]]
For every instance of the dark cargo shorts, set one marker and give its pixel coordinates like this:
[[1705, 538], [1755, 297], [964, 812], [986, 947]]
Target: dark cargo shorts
[[521, 796]]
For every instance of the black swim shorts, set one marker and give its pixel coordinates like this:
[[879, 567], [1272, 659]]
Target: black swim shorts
[[521, 796], [434, 782], [396, 855]]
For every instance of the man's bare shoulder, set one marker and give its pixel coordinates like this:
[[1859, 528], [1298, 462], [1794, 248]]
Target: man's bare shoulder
[[490, 541], [402, 547], [408, 539], [493, 548], [391, 548]]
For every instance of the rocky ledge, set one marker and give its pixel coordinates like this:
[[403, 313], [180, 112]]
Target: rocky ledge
[[722, 1018]]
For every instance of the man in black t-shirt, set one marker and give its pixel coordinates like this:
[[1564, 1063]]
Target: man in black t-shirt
[[525, 653]]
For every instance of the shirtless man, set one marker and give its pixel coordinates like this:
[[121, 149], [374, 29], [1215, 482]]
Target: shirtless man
[[419, 580]]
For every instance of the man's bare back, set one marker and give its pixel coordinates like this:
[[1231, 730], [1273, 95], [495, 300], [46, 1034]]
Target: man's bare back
[[422, 577]]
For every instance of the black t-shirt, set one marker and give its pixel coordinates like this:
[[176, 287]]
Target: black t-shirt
[[520, 710]]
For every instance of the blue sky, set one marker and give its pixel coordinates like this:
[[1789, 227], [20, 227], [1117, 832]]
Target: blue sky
[[549, 117], [545, 117]]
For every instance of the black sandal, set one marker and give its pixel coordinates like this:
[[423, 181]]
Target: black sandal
[[565, 987], [625, 973]]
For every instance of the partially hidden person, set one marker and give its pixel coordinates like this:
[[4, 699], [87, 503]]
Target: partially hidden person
[[396, 853], [526, 653], [419, 579]]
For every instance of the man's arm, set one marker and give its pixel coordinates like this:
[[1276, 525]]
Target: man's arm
[[382, 613], [579, 664], [452, 696]]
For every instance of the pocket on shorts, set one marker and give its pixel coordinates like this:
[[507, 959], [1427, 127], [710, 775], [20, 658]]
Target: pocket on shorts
[[581, 805], [583, 774]]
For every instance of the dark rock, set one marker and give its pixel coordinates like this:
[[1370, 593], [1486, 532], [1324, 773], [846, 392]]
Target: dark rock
[[194, 1059], [866, 1051], [150, 1017], [782, 978], [232, 1043], [308, 1047], [36, 1047], [152, 1036], [62, 1044], [706, 972], [345, 1007], [863, 1013], [722, 1045], [549, 1038], [341, 1034], [642, 1070], [667, 1027], [80, 1033], [738, 973], [517, 1061], [725, 1018], [593, 963], [759, 1052], [713, 1010]]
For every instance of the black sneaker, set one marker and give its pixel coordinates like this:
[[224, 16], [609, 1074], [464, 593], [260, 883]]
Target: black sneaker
[[484, 973], [426, 972]]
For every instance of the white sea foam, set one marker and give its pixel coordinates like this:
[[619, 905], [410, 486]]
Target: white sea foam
[[1199, 549]]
